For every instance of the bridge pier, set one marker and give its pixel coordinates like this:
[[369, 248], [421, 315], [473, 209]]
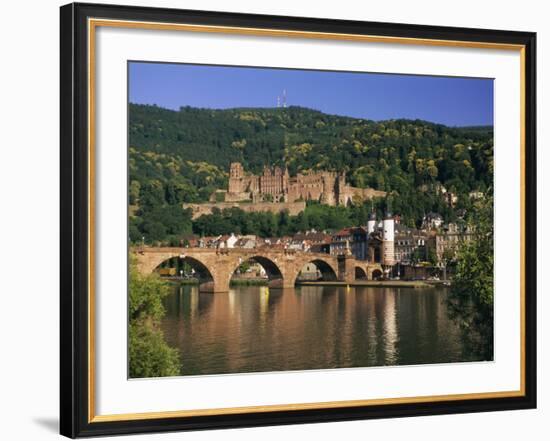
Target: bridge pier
[[282, 283], [346, 269], [211, 286], [220, 283]]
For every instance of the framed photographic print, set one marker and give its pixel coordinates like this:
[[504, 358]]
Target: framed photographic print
[[272, 220]]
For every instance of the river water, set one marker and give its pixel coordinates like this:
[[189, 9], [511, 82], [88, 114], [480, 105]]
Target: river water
[[257, 329]]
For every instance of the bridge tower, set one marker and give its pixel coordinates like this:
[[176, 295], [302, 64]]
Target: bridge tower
[[371, 223], [388, 237]]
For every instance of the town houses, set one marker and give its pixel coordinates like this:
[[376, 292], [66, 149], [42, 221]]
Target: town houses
[[353, 240], [403, 251]]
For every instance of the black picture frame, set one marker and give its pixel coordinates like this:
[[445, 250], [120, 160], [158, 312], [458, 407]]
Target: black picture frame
[[74, 191]]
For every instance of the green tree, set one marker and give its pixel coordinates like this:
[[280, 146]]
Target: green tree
[[432, 257], [134, 192], [471, 298], [150, 355]]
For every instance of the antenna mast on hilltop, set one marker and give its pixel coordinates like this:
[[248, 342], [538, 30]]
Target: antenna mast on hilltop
[[284, 97], [278, 101]]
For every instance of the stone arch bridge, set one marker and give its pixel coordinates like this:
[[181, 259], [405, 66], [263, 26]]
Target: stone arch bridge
[[215, 266]]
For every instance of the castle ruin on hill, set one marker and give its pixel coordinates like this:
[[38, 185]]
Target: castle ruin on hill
[[276, 185], [276, 191]]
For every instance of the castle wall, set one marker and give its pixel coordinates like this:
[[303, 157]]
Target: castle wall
[[306, 187], [237, 197], [363, 194], [293, 208]]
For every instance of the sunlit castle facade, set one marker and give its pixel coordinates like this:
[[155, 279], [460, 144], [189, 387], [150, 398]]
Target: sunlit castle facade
[[276, 185]]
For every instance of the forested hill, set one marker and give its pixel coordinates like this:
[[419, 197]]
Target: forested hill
[[184, 155], [308, 139]]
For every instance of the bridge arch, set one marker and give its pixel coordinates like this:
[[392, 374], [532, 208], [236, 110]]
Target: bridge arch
[[201, 271], [376, 274], [327, 271], [360, 273], [272, 269]]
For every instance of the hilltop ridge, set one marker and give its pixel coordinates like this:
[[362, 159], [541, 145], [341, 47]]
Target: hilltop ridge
[[273, 136]]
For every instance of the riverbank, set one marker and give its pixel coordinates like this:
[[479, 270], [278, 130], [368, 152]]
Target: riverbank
[[234, 282], [371, 283], [380, 283], [249, 282], [180, 281]]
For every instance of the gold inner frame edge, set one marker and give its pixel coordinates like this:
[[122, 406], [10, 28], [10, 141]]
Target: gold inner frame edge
[[92, 25]]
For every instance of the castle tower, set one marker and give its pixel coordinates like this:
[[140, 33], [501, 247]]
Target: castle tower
[[278, 184], [286, 185], [236, 174], [341, 189], [388, 237], [236, 170], [328, 195]]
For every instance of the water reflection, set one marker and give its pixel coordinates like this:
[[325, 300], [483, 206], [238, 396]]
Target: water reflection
[[253, 329]]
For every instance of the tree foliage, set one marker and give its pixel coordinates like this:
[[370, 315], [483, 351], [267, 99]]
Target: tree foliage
[[149, 354], [266, 224], [471, 300]]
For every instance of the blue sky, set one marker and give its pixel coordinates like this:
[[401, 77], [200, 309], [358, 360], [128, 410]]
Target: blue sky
[[445, 100]]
